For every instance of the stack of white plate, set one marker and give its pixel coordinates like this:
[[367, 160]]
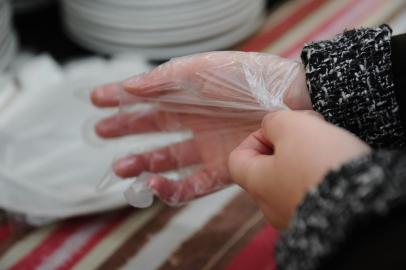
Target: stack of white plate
[[8, 44], [161, 29], [21, 6]]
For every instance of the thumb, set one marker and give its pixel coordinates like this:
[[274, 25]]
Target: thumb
[[243, 159], [152, 83], [280, 124], [163, 79]]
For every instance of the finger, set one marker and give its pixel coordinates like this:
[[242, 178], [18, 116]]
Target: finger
[[126, 124], [167, 78], [243, 158], [255, 144], [161, 160], [177, 192], [286, 125], [280, 124], [106, 95], [154, 83]]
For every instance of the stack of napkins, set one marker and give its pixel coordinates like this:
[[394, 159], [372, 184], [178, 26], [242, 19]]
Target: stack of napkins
[[48, 167]]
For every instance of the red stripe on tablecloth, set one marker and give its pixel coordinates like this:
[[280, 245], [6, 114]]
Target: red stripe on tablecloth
[[5, 231], [262, 41], [290, 51], [93, 241], [258, 254], [49, 245]]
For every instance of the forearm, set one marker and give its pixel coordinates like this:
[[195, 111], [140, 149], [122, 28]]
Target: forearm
[[339, 216]]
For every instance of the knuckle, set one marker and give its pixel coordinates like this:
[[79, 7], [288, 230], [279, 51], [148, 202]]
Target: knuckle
[[275, 118]]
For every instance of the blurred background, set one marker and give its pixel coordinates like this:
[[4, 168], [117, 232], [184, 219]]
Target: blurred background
[[157, 30], [52, 53]]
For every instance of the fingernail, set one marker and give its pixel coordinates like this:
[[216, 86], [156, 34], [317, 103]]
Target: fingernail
[[101, 128], [105, 130], [96, 94], [130, 166], [105, 96], [124, 164], [99, 92]]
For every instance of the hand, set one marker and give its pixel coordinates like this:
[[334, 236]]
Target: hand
[[220, 96], [290, 154]]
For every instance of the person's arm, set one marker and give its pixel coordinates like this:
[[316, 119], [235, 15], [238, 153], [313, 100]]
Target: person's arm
[[341, 204], [354, 84], [354, 219]]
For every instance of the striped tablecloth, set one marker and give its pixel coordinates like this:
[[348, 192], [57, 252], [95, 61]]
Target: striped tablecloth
[[222, 231]]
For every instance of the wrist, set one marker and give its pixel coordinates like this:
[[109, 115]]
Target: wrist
[[297, 97]]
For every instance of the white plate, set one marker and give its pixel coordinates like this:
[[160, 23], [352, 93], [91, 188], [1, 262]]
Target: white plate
[[170, 37], [159, 53], [223, 9], [160, 17], [122, 8], [148, 3]]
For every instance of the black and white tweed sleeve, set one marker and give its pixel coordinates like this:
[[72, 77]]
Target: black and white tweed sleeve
[[351, 85], [366, 189]]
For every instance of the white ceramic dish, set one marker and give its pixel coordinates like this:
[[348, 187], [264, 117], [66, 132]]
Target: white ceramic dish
[[150, 3], [118, 8], [161, 53], [144, 21], [160, 29], [170, 37]]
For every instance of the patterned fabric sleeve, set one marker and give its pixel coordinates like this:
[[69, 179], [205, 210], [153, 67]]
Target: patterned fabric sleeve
[[351, 85], [364, 189]]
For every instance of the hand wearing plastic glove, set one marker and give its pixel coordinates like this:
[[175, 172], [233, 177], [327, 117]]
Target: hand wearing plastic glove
[[220, 96]]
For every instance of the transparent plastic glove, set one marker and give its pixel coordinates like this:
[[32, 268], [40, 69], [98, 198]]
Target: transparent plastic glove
[[219, 97]]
